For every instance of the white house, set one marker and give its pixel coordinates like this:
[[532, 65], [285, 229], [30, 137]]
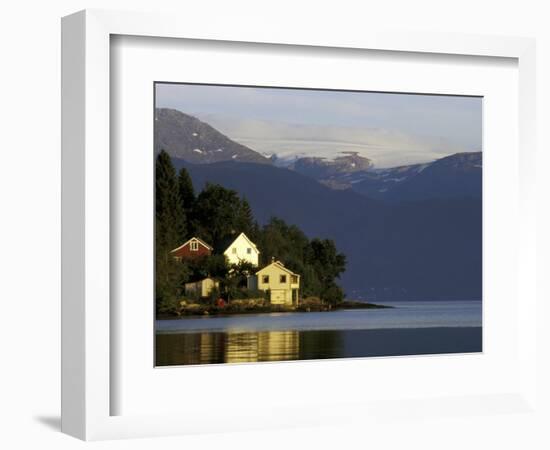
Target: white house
[[242, 249]]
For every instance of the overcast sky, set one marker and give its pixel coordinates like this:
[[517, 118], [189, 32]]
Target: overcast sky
[[391, 129]]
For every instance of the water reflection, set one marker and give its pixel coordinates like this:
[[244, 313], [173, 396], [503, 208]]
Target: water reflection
[[230, 347], [263, 346], [214, 347]]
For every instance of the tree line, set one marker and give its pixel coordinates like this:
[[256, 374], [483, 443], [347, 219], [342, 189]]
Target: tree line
[[216, 215]]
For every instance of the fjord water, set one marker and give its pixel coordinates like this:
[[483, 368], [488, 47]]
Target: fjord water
[[409, 328]]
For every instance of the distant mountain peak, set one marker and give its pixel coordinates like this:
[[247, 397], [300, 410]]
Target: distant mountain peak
[[457, 175], [186, 137], [332, 172]]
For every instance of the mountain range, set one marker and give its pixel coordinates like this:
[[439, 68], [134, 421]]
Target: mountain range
[[411, 232], [186, 137]]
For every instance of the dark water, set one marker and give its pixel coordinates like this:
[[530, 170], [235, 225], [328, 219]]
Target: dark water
[[410, 328]]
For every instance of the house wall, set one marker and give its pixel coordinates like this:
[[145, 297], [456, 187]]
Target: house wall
[[203, 287], [207, 285], [186, 252], [281, 292], [238, 251]]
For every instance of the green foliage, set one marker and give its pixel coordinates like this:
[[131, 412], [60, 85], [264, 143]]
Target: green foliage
[[311, 284], [217, 266], [328, 264], [241, 293], [245, 222], [240, 272], [218, 215], [332, 294], [171, 277], [170, 229], [187, 196], [169, 212], [282, 242], [214, 266]]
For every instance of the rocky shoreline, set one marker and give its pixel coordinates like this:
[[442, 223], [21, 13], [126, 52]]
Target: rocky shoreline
[[259, 306]]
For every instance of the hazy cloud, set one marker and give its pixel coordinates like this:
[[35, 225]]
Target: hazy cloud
[[391, 129]]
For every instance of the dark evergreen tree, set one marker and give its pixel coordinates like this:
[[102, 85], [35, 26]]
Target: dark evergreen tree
[[169, 233], [245, 219], [283, 242], [328, 264], [216, 215], [170, 216], [187, 196]]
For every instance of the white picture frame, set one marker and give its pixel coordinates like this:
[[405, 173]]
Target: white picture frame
[[86, 221]]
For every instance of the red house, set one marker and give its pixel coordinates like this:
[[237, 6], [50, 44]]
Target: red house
[[193, 248]]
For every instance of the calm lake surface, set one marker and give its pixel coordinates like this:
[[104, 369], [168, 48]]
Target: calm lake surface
[[407, 329]]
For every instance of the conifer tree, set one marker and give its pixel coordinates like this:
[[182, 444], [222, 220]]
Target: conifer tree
[[169, 233], [245, 219], [169, 213], [216, 214], [187, 192]]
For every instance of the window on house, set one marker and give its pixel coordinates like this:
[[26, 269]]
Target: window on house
[[234, 250], [265, 279], [294, 279], [283, 279], [194, 246], [249, 250]]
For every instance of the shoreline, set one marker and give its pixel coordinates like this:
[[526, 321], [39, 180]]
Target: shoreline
[[237, 309]]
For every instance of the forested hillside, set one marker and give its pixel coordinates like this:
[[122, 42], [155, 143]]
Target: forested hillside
[[216, 215]]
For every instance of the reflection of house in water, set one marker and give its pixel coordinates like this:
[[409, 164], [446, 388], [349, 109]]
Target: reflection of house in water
[[262, 346], [227, 347], [211, 348]]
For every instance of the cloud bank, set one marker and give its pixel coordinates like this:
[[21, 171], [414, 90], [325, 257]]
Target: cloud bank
[[390, 129]]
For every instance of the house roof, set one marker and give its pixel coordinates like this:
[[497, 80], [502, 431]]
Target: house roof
[[279, 265], [196, 239], [230, 243]]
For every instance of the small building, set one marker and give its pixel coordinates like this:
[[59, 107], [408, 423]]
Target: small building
[[242, 249], [193, 248], [202, 288], [283, 284]]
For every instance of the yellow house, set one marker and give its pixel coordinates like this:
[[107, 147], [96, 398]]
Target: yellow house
[[282, 284], [201, 287]]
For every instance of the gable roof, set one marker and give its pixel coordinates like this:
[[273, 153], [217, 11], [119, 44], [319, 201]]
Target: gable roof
[[279, 265], [247, 239], [204, 244]]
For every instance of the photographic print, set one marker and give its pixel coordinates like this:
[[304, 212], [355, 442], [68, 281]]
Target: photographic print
[[302, 224]]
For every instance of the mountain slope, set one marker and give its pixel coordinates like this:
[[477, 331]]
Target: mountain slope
[[454, 176], [378, 183], [186, 137], [335, 173], [427, 249]]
